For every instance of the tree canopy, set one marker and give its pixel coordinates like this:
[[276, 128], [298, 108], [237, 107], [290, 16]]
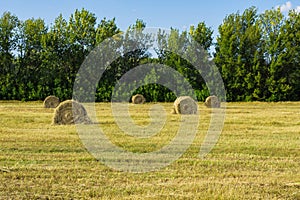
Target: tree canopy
[[257, 55]]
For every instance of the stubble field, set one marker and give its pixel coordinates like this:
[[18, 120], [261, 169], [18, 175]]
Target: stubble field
[[257, 156]]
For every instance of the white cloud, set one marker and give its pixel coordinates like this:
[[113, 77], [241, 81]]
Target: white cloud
[[285, 7]]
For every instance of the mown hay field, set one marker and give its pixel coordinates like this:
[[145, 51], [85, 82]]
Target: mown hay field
[[257, 156]]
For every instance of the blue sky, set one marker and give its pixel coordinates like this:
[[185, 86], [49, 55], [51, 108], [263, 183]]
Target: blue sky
[[156, 13]]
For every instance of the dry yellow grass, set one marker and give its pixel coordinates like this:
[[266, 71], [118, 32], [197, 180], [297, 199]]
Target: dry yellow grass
[[257, 156]]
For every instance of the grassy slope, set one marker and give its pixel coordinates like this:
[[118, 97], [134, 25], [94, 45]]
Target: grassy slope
[[257, 156]]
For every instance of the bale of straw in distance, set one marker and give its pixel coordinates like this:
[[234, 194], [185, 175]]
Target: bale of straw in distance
[[212, 102], [70, 112], [51, 102], [138, 99], [185, 105]]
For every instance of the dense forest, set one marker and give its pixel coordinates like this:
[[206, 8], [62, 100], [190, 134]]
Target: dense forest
[[258, 56]]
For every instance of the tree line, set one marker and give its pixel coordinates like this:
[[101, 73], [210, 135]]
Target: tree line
[[256, 54]]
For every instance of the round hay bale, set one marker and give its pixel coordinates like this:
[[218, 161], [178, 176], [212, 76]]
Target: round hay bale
[[51, 102], [70, 112], [138, 99], [212, 102], [185, 105]]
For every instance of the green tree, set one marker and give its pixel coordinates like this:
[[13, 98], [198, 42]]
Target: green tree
[[32, 33], [55, 59], [133, 52], [8, 42], [277, 87], [175, 43], [8, 38], [291, 55], [239, 56], [106, 29], [81, 39], [202, 34], [226, 56], [82, 30]]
